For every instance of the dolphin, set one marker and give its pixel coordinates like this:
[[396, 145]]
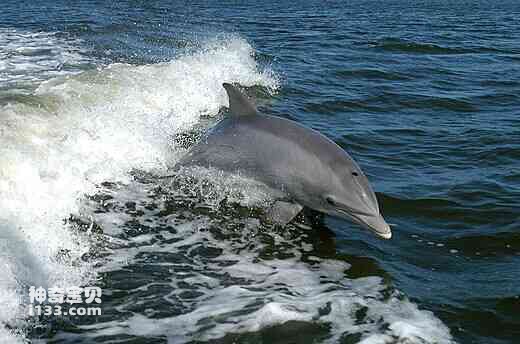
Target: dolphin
[[305, 167]]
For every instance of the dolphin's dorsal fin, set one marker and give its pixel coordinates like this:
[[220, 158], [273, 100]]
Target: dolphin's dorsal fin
[[239, 104]]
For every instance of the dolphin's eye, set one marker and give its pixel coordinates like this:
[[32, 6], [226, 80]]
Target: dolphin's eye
[[355, 174], [330, 201]]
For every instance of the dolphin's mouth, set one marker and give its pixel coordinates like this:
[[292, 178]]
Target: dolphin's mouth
[[374, 223]]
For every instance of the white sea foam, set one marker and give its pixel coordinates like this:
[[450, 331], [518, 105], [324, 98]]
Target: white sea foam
[[76, 131], [237, 291]]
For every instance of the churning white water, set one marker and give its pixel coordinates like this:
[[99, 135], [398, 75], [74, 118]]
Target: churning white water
[[76, 131]]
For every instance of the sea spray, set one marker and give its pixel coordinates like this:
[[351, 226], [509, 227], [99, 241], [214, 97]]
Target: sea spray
[[76, 131]]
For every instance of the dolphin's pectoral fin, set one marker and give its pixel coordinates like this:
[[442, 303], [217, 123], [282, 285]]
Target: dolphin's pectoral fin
[[239, 104], [282, 212]]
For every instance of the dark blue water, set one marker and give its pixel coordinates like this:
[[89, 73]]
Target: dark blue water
[[423, 94]]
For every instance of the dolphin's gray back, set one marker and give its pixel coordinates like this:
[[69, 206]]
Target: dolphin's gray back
[[279, 152]]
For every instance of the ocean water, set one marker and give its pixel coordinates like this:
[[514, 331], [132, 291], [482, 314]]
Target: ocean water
[[98, 100]]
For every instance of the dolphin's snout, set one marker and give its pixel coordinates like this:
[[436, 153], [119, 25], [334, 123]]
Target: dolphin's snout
[[376, 224], [373, 221]]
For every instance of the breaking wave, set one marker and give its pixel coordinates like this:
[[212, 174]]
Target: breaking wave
[[77, 130]]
